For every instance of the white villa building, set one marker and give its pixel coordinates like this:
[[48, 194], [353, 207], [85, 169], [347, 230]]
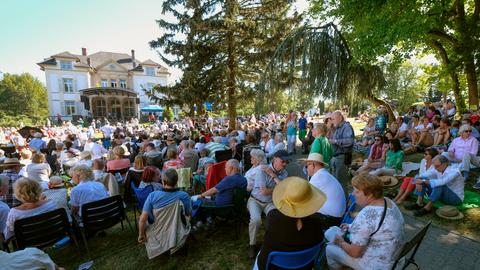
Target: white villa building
[[103, 84]]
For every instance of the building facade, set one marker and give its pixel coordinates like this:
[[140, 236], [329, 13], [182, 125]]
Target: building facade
[[103, 84]]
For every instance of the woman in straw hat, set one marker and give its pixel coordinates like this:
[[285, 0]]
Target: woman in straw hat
[[120, 162], [293, 225], [375, 236]]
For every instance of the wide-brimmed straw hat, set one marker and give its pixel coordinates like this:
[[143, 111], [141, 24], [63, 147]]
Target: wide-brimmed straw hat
[[55, 181], [358, 162], [295, 197], [314, 157], [389, 181], [86, 154], [11, 162], [449, 212]]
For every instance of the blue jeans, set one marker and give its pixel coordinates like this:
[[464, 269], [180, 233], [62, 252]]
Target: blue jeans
[[442, 193], [106, 143]]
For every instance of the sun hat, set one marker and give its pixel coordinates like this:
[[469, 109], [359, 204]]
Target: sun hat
[[11, 162], [85, 155], [449, 212], [55, 181], [389, 181], [314, 157], [295, 197], [283, 155]]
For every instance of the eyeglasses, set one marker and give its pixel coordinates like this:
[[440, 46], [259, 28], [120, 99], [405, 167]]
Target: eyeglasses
[[425, 154], [468, 131], [377, 140], [264, 137]]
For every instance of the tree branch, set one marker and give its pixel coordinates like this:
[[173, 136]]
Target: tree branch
[[443, 36]]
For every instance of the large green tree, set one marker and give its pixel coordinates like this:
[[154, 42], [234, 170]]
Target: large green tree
[[222, 46], [449, 28], [23, 95]]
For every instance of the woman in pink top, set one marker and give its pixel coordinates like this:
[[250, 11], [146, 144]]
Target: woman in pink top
[[120, 162], [173, 160], [462, 145]]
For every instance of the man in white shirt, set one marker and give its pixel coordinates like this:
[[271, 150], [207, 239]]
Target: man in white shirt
[[445, 183], [107, 135], [402, 128], [97, 150], [334, 208]]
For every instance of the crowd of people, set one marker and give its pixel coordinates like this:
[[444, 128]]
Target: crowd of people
[[104, 159]]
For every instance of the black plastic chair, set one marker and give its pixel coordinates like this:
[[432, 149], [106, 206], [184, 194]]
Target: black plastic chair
[[235, 211], [101, 215], [414, 244], [223, 155], [43, 230]]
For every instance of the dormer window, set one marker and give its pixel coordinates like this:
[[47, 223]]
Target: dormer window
[[150, 71], [66, 65]]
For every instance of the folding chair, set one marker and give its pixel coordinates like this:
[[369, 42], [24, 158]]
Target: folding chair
[[140, 195], [414, 244], [184, 178], [215, 174], [43, 230], [347, 217], [100, 215], [295, 259]]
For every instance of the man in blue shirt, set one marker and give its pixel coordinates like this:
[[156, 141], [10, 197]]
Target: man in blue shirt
[[342, 144], [223, 191], [302, 126], [159, 199]]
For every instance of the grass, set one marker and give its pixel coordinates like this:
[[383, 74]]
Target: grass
[[120, 250]]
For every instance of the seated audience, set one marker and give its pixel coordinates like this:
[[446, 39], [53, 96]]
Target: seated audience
[[279, 144], [86, 190], [223, 191], [463, 148], [334, 207], [150, 176], [368, 133], [309, 139], [377, 156], [4, 209], [393, 160], [161, 198], [29, 192], [57, 192], [402, 129], [203, 163], [442, 133], [294, 224], [85, 159], [173, 161], [120, 162], [445, 183], [422, 135], [11, 168], [262, 181], [375, 237], [266, 143], [408, 184], [29, 258], [37, 143], [39, 170]]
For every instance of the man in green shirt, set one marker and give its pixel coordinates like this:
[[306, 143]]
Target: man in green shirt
[[320, 144]]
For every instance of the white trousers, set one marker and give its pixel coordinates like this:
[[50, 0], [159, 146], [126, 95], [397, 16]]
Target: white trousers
[[256, 208]]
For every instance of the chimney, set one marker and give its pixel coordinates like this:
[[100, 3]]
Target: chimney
[[84, 51], [133, 58]]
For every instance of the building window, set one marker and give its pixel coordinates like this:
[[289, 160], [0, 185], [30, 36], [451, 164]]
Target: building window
[[66, 65], [150, 71], [69, 107], [68, 85], [123, 84], [150, 87], [100, 108], [104, 83], [113, 83], [129, 108]]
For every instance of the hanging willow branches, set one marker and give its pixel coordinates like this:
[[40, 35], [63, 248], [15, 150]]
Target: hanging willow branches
[[317, 60]]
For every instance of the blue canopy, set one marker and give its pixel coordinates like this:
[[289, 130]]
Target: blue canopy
[[152, 108]]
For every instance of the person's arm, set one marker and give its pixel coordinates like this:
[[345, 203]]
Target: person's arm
[[142, 220], [443, 180], [474, 149], [347, 137], [352, 250], [209, 192]]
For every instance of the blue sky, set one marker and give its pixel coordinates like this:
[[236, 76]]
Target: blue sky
[[31, 30]]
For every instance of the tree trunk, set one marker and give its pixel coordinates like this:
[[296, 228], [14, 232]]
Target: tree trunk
[[471, 82], [231, 65], [460, 101], [378, 102]]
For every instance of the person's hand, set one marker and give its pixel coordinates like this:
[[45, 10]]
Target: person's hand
[[344, 227], [268, 170], [338, 240], [419, 187], [418, 181], [451, 154], [142, 239]]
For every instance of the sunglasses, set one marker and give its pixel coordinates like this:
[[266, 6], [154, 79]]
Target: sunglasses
[[264, 137], [468, 131]]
